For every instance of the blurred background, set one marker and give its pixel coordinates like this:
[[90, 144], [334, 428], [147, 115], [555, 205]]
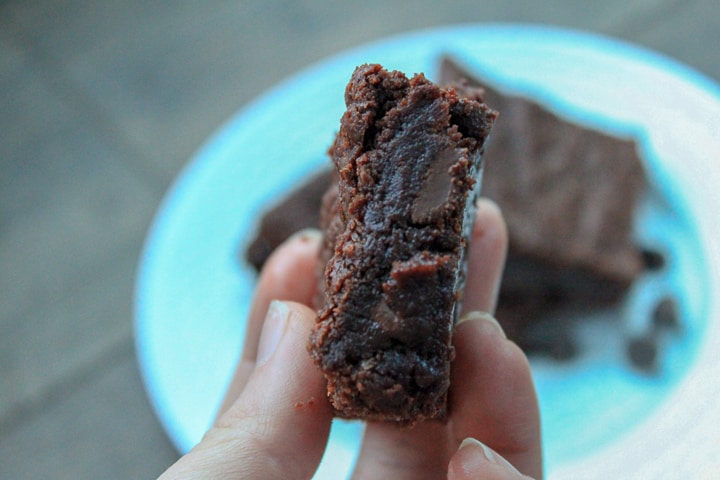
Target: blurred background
[[101, 105]]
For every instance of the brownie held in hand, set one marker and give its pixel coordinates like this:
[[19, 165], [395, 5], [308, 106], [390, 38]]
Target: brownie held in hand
[[397, 223]]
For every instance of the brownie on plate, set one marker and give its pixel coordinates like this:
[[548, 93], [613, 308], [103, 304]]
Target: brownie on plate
[[568, 194]]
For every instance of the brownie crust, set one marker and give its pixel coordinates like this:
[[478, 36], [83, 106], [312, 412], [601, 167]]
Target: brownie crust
[[407, 159]]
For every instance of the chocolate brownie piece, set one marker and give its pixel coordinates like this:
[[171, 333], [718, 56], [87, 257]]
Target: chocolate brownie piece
[[300, 209], [407, 156], [569, 195]]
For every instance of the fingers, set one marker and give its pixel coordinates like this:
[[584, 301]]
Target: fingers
[[389, 451], [493, 397], [486, 258], [279, 426], [475, 460], [289, 274]]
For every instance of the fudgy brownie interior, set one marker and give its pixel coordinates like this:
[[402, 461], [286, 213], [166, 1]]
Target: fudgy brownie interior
[[407, 157]]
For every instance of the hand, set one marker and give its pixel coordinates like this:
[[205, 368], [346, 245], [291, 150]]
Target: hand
[[275, 420]]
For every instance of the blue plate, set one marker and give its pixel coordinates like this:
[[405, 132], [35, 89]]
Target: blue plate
[[193, 296]]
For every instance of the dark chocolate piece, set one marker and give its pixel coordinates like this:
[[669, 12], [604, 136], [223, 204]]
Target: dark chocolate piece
[[665, 315], [407, 155], [643, 349], [643, 352]]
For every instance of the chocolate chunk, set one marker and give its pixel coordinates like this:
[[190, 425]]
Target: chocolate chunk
[[665, 315], [653, 260], [436, 189], [643, 352]]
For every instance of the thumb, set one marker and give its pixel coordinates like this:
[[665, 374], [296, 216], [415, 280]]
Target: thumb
[[279, 426], [475, 460]]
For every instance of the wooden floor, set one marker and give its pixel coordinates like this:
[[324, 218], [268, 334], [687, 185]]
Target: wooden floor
[[101, 104]]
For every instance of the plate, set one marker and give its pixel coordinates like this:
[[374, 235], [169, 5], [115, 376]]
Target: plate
[[601, 418]]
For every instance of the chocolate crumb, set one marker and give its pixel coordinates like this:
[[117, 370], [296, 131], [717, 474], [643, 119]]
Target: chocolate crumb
[[642, 352], [665, 315]]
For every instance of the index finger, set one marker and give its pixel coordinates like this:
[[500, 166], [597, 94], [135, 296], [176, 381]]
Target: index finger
[[485, 258], [492, 397], [289, 274]]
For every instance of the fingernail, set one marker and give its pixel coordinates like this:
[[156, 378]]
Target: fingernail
[[477, 448], [272, 331], [482, 317], [307, 234]]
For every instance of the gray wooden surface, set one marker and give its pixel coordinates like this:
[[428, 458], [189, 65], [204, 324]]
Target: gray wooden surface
[[101, 104]]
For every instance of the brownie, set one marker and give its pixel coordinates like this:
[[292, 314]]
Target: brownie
[[298, 210], [407, 158], [569, 195]]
